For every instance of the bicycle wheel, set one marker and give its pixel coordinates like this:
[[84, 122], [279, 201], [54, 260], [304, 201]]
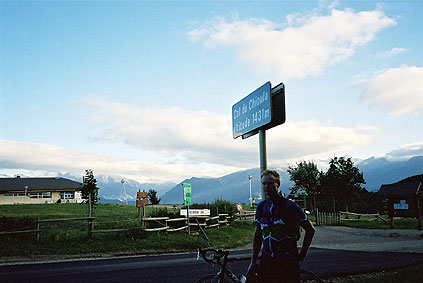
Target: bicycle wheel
[[212, 278], [308, 276]]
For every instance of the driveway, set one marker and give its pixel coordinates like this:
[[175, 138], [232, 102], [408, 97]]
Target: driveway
[[368, 240]]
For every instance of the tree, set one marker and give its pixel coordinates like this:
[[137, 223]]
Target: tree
[[152, 196], [307, 178], [90, 187], [343, 180]]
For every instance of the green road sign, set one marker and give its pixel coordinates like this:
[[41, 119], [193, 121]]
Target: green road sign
[[187, 194]]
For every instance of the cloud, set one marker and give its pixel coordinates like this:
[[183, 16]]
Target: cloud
[[394, 51], [175, 144], [398, 90], [51, 158], [406, 151], [203, 137], [302, 46]]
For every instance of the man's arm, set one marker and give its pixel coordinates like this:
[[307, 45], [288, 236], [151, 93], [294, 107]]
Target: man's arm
[[308, 237], [257, 241]]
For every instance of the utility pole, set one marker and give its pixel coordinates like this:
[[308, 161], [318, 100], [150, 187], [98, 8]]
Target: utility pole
[[251, 198], [124, 191]]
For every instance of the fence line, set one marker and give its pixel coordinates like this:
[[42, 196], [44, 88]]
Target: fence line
[[164, 222], [328, 218]]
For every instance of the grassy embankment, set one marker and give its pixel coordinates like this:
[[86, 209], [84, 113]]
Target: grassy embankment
[[72, 237]]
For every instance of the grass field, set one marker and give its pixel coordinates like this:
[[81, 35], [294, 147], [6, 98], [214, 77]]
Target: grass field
[[72, 237]]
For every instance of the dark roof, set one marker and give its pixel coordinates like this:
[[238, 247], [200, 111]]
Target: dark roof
[[401, 189], [42, 183], [413, 179]]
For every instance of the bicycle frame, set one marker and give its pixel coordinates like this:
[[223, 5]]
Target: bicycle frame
[[216, 256], [221, 258]]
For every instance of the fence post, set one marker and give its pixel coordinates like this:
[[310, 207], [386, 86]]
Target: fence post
[[143, 225], [38, 230], [317, 216]]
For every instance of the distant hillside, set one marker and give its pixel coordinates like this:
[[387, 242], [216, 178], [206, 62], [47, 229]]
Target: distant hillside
[[378, 171], [111, 189], [234, 187]]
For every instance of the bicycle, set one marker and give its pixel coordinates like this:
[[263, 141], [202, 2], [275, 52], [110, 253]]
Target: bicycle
[[225, 275], [221, 257]]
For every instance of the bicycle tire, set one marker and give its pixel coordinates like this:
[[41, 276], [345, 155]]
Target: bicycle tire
[[309, 276], [211, 278]]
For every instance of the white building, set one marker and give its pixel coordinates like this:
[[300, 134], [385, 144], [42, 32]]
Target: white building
[[21, 190]]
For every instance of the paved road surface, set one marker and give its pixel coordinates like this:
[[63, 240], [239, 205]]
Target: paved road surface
[[335, 251]]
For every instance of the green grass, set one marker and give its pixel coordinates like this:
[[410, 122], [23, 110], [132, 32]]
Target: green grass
[[411, 274], [72, 237]]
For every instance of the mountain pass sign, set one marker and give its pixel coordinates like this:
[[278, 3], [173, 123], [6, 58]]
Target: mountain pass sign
[[187, 194], [252, 112]]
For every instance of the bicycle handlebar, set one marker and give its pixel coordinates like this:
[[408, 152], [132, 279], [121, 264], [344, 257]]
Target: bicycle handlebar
[[214, 256]]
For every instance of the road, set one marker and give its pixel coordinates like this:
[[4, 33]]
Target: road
[[335, 251]]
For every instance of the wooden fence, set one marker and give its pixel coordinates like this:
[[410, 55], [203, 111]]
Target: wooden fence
[[148, 224], [328, 218]]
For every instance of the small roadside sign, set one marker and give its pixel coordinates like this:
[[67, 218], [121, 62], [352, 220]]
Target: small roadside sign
[[239, 206], [187, 194], [195, 212], [142, 195]]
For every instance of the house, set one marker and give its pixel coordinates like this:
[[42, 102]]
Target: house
[[404, 197], [21, 190]]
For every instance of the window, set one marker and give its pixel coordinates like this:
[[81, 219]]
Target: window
[[46, 194], [14, 194], [33, 195], [67, 195], [40, 195]]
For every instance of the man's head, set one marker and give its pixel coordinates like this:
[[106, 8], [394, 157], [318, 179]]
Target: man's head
[[270, 181]]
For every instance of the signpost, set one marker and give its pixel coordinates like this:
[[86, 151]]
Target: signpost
[[187, 201], [252, 112], [259, 111], [187, 194], [142, 201]]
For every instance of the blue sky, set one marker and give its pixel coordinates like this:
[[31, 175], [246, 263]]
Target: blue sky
[[144, 89]]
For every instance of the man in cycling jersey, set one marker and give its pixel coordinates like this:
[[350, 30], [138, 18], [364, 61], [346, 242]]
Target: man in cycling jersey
[[278, 221]]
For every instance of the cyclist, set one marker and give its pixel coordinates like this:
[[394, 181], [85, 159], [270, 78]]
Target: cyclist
[[278, 221]]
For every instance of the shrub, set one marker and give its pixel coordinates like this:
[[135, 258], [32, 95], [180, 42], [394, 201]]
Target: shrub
[[16, 224]]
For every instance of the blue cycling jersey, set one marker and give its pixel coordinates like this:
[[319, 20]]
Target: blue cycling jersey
[[279, 221]]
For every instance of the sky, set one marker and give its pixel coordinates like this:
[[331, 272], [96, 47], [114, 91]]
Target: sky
[[144, 89]]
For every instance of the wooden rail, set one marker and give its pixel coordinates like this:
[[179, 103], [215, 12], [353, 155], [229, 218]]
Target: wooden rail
[[206, 222]]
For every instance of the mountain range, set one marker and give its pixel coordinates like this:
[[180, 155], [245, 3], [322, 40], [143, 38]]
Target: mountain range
[[235, 187]]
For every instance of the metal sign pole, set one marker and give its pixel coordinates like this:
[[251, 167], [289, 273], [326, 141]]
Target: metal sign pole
[[263, 154], [189, 230]]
